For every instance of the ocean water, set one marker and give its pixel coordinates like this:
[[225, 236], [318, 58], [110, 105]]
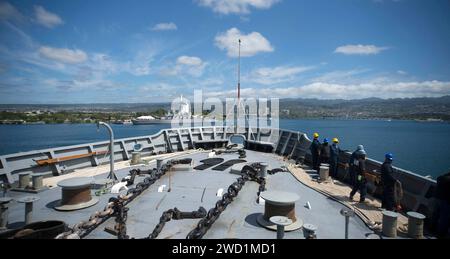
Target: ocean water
[[421, 147]]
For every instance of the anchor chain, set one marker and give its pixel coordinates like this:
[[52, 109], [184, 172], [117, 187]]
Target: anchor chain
[[241, 152], [258, 167], [175, 214], [121, 218], [116, 206], [249, 173]]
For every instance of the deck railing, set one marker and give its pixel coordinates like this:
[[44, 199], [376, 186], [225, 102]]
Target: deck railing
[[418, 190]]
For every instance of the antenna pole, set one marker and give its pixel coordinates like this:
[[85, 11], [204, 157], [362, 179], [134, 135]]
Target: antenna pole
[[238, 104], [239, 73]]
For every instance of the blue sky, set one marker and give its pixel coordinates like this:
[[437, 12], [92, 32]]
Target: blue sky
[[152, 51]]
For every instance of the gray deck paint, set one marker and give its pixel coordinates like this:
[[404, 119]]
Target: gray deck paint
[[237, 221]]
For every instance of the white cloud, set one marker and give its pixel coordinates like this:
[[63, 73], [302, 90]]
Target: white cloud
[[193, 66], [165, 27], [104, 63], [251, 45], [9, 12], [190, 61], [77, 85], [47, 18], [319, 90], [140, 66], [275, 75], [359, 49], [236, 6], [63, 55], [340, 76]]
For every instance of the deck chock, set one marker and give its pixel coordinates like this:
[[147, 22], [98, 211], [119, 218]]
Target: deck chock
[[219, 192]]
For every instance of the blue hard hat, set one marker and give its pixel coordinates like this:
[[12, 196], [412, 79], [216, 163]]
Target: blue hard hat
[[325, 140], [389, 156]]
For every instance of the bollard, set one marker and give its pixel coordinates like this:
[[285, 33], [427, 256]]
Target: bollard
[[24, 180], [28, 200], [347, 214], [4, 205], [5, 188], [281, 222], [390, 223], [159, 163], [264, 167], [135, 158], [309, 231], [415, 225], [324, 173], [37, 180]]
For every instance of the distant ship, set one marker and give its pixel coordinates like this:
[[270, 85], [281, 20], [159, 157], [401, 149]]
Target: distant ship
[[122, 122], [150, 120], [182, 112]]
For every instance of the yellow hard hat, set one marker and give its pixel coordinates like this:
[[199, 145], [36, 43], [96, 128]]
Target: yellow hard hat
[[316, 135], [336, 140]]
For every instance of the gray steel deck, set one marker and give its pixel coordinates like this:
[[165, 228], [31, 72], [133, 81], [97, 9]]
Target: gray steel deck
[[237, 221]]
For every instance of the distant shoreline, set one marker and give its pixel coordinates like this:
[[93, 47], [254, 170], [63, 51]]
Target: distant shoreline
[[293, 119], [435, 109]]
